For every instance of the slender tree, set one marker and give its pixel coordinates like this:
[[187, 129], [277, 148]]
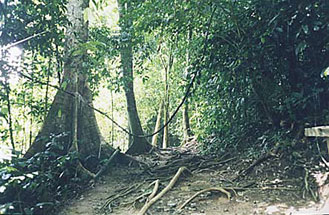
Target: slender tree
[[186, 120], [157, 125], [167, 68], [165, 140], [138, 144]]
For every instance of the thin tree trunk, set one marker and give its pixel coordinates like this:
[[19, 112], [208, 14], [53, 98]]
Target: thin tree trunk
[[24, 123], [139, 144], [186, 123], [157, 125], [10, 120], [47, 89], [112, 115], [31, 110], [187, 133], [165, 140]]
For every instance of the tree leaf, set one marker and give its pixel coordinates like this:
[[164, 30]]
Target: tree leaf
[[305, 29], [301, 47], [4, 111], [59, 113]]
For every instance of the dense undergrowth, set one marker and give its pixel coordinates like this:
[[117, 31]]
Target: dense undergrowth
[[39, 184]]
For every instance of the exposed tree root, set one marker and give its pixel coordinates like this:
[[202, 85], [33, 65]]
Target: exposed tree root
[[84, 171], [155, 190], [219, 189], [164, 191], [125, 192]]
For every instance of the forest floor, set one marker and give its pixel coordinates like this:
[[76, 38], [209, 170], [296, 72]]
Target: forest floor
[[272, 186]]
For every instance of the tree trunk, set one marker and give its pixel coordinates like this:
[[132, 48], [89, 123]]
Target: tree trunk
[[165, 140], [139, 144], [157, 126], [186, 123], [186, 120], [70, 119], [10, 120]]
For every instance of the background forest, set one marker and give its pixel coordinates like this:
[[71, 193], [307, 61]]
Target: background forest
[[236, 76]]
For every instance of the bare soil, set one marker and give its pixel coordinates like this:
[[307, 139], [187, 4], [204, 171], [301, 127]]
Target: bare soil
[[272, 187]]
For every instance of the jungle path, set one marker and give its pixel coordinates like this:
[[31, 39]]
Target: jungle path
[[268, 188]]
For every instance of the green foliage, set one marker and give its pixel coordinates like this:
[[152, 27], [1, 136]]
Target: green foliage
[[37, 185], [263, 67], [259, 63], [22, 19]]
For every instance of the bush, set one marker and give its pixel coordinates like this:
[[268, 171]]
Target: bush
[[37, 185]]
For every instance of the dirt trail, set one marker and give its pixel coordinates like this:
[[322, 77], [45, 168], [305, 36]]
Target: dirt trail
[[264, 193]]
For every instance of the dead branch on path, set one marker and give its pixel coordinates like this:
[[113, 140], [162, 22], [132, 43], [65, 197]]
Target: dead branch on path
[[261, 159], [164, 191], [219, 189], [107, 164]]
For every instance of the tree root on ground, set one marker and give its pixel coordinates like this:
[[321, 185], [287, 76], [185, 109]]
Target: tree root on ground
[[155, 190], [307, 188], [149, 203], [219, 189], [84, 171], [123, 193]]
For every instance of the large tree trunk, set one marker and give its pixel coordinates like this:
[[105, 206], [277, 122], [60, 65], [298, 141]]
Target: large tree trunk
[[139, 144], [70, 118]]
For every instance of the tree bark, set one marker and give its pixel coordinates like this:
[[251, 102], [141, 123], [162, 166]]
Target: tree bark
[[157, 125], [139, 145], [165, 140], [186, 123], [60, 121], [10, 120], [187, 133]]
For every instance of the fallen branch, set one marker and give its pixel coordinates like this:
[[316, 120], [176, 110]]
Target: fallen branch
[[107, 164], [219, 189], [164, 191], [261, 159]]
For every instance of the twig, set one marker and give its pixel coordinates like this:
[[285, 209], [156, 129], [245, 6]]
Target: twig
[[164, 191], [22, 41], [219, 189]]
